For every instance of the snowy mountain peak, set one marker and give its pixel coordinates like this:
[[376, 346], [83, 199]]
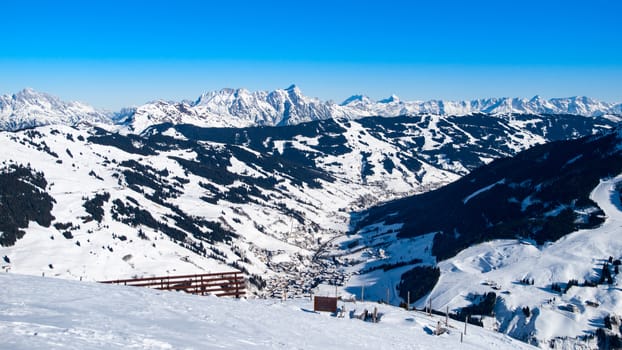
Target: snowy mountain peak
[[29, 108], [294, 92], [29, 95], [391, 99], [356, 99], [25, 93], [235, 108], [293, 87]]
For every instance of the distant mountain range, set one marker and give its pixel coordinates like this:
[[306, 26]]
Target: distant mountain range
[[29, 108], [243, 108]]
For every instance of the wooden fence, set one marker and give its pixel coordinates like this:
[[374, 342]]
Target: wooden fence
[[219, 284]]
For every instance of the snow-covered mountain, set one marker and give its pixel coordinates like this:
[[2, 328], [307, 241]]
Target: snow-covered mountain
[[264, 199], [236, 108], [537, 105], [278, 203], [243, 108], [29, 108], [529, 242]]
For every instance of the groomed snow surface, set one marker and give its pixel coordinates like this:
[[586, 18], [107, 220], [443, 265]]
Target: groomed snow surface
[[49, 313]]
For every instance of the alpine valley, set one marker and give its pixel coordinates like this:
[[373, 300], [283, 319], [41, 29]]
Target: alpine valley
[[504, 209]]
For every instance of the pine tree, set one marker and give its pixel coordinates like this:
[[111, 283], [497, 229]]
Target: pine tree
[[606, 274]]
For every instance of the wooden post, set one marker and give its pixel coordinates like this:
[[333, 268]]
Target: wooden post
[[408, 301], [195, 285], [375, 315], [237, 286]]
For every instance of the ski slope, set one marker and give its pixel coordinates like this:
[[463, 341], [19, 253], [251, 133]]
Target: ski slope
[[48, 313]]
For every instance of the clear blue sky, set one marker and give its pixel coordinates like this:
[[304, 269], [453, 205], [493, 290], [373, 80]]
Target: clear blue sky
[[117, 53]]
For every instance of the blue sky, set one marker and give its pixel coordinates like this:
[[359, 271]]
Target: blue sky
[[118, 53]]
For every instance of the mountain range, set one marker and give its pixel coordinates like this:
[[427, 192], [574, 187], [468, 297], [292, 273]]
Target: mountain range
[[492, 214], [243, 108]]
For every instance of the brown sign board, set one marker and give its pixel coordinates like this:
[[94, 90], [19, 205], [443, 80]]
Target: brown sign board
[[325, 304]]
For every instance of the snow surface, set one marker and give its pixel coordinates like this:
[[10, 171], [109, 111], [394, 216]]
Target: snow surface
[[579, 255], [276, 245], [48, 313], [498, 266]]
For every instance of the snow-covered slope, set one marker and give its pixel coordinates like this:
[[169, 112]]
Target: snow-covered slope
[[29, 108], [169, 204], [553, 315], [264, 199], [537, 230], [274, 202], [47, 313]]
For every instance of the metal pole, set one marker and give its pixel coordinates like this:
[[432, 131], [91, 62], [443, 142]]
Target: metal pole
[[362, 293], [430, 307], [447, 316], [387, 295], [465, 323], [408, 302]]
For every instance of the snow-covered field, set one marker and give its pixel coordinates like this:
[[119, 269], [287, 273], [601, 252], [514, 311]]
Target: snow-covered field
[[48, 313]]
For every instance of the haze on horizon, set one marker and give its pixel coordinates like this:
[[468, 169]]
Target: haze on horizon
[[116, 54]]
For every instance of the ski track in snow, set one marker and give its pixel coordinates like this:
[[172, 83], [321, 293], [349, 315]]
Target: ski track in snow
[[481, 190]]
